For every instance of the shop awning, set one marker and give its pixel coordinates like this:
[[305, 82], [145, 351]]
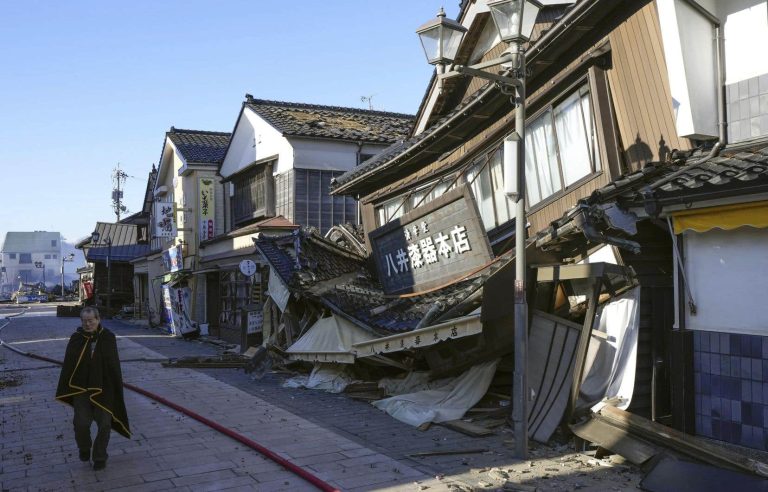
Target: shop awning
[[423, 337], [173, 277], [726, 217], [329, 340]]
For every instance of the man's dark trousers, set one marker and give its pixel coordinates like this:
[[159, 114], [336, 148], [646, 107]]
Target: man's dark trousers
[[85, 414]]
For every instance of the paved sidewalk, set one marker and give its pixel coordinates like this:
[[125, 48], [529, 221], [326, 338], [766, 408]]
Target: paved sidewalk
[[170, 451]]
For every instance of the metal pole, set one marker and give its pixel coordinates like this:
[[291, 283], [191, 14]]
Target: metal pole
[[520, 380], [62, 277], [109, 278]]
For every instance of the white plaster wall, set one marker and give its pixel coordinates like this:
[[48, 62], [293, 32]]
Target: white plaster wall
[[689, 50], [746, 37], [250, 130], [738, 261], [325, 155]]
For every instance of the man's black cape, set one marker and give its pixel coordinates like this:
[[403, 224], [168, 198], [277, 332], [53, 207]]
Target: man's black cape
[[102, 379]]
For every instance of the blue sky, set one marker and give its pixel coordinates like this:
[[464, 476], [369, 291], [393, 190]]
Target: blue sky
[[90, 84]]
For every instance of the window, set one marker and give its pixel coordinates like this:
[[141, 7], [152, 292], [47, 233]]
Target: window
[[560, 147], [25, 258], [12, 256], [392, 209], [47, 257], [251, 200], [486, 178], [53, 243], [315, 206]]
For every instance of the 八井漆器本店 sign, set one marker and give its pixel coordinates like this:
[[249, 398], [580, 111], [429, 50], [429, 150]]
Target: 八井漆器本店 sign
[[431, 245]]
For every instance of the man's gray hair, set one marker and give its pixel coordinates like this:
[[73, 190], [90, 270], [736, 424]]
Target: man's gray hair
[[90, 310]]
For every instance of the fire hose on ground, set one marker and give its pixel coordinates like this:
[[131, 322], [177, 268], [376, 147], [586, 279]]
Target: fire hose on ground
[[295, 469]]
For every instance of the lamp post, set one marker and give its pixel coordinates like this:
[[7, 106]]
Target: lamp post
[[69, 257], [108, 242], [514, 20]]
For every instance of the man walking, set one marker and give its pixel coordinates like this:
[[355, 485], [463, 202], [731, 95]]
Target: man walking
[[92, 382]]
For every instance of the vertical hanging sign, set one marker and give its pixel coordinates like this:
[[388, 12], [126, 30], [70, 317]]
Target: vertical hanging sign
[[206, 209], [165, 223]]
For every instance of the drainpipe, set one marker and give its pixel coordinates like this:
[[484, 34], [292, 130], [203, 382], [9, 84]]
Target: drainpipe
[[720, 67]]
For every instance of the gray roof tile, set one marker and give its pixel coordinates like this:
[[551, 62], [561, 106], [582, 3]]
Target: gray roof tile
[[312, 120], [200, 146]]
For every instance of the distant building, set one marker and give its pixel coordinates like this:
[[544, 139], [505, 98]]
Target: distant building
[[30, 257]]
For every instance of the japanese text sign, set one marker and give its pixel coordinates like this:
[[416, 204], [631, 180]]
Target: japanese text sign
[[431, 245]]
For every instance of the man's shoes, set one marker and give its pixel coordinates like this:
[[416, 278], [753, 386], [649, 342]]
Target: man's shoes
[[85, 454], [99, 465]]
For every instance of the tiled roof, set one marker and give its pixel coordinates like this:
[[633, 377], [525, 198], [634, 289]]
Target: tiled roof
[[360, 297], [200, 146], [398, 149], [303, 259], [311, 120], [738, 171], [124, 245], [731, 172]]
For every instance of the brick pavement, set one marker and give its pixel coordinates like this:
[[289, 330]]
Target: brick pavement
[[348, 443]]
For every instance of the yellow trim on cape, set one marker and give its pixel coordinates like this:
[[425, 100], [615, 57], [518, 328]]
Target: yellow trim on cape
[[726, 217], [96, 391]]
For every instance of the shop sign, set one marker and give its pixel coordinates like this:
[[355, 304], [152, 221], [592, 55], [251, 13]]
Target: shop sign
[[206, 209], [431, 245], [255, 322], [458, 328], [164, 219]]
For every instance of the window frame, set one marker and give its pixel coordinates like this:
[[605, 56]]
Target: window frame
[[580, 85], [405, 202], [244, 207]]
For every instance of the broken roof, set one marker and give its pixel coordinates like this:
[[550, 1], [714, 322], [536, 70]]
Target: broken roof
[[340, 280], [200, 146], [737, 171], [316, 121], [572, 36]]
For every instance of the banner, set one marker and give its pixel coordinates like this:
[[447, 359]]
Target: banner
[[173, 261], [206, 209], [164, 220]]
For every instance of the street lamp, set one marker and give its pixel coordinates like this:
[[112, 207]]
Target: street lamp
[[40, 264], [108, 241], [514, 19], [69, 257]]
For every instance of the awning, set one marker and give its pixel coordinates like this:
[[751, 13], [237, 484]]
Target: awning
[[173, 277], [423, 337], [726, 217], [329, 340]]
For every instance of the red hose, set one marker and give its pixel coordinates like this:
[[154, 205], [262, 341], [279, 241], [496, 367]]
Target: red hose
[[317, 482]]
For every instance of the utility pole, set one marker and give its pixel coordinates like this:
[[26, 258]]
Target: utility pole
[[118, 178]]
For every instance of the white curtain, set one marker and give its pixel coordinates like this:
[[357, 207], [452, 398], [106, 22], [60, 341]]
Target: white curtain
[[572, 140], [541, 169], [481, 188]]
